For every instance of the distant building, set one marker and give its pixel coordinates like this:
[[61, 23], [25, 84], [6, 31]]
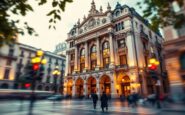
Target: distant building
[[174, 50], [8, 64], [15, 58], [109, 51], [61, 48]]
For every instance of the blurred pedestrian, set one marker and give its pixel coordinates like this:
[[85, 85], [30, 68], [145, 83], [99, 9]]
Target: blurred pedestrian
[[122, 98], [130, 100], [135, 98], [104, 101], [94, 97]]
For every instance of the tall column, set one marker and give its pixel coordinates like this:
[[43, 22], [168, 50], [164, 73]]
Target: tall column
[[73, 89], [98, 53], [113, 86], [117, 62], [98, 87], [85, 88], [111, 50], [86, 56], [67, 65], [76, 59]]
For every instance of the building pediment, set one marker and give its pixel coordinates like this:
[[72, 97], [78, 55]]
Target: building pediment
[[92, 22]]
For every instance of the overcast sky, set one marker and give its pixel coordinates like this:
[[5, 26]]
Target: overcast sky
[[48, 38]]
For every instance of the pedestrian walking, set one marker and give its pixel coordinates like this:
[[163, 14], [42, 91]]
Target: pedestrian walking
[[122, 97], [130, 100], [94, 97], [135, 99], [104, 101]]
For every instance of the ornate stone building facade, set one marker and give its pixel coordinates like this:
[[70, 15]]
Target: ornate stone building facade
[[15, 57], [174, 50], [109, 51]]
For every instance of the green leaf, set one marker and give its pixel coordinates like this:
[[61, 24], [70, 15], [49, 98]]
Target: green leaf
[[69, 1], [58, 17], [29, 7], [54, 27], [62, 5], [50, 20], [42, 2], [54, 3], [51, 12]]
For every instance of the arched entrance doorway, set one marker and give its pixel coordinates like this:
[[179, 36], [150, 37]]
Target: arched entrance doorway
[[91, 85], [105, 84], [69, 87], [79, 87], [124, 82]]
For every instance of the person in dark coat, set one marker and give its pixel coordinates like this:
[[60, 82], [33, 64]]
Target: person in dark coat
[[104, 101], [95, 99], [130, 100]]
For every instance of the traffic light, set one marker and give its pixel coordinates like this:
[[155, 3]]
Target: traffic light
[[27, 85], [41, 73], [152, 67], [35, 67], [153, 74]]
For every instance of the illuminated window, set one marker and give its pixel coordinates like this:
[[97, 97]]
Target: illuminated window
[[121, 43], [93, 64], [93, 57], [123, 59], [82, 59], [72, 68], [72, 57], [106, 54], [6, 73]]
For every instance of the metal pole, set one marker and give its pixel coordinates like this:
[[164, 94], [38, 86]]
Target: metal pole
[[55, 78], [158, 94]]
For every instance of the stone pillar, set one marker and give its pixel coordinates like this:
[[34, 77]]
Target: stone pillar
[[98, 87], [111, 50], [131, 51], [86, 56], [85, 88], [76, 59], [144, 84], [67, 69], [73, 89], [116, 52], [98, 53], [113, 86]]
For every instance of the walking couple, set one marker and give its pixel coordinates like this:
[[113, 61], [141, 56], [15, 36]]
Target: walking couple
[[103, 99]]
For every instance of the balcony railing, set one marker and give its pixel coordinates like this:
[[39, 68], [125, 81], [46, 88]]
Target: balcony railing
[[144, 35], [122, 50], [9, 56], [158, 44], [124, 66]]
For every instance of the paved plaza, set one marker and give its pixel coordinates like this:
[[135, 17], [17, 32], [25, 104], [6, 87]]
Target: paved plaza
[[77, 107]]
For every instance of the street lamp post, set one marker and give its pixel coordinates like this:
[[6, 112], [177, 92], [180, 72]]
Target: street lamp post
[[153, 63], [55, 73]]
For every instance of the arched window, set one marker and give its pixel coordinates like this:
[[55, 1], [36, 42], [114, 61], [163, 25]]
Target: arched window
[[182, 61], [117, 13], [106, 54], [93, 57], [82, 59]]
